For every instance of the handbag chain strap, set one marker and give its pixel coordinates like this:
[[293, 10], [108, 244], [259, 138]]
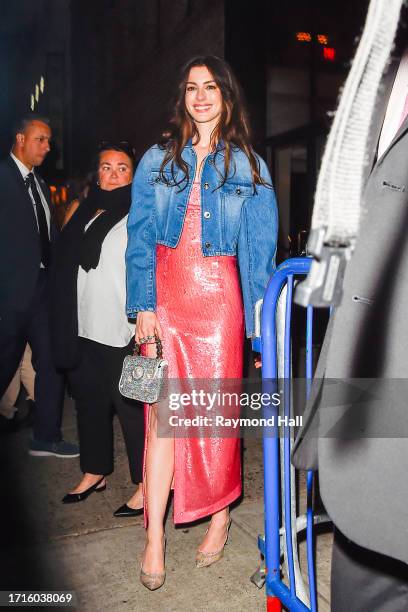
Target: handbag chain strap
[[159, 347]]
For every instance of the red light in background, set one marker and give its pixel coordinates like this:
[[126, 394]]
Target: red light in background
[[322, 38], [329, 54]]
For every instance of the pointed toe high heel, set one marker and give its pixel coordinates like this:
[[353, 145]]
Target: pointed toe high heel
[[74, 498], [126, 510], [153, 581], [205, 559]]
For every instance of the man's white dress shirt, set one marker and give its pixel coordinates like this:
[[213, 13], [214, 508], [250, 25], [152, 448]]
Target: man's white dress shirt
[[395, 107]]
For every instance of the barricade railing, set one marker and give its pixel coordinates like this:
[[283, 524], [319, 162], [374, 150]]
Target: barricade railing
[[280, 540]]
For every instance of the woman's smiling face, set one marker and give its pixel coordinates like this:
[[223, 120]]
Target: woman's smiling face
[[203, 97]]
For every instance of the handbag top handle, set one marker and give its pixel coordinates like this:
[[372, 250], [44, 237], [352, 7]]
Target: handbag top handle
[[157, 341]]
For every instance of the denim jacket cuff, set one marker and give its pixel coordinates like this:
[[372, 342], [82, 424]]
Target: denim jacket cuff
[[131, 312]]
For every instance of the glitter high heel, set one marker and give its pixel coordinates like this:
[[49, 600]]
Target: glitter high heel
[[204, 559], [153, 581]]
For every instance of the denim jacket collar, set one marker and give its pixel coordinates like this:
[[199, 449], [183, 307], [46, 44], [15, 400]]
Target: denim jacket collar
[[220, 146]]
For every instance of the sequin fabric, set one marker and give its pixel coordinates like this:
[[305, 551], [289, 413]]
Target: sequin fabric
[[199, 306]]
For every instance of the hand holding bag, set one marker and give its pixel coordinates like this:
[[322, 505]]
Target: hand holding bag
[[143, 378]]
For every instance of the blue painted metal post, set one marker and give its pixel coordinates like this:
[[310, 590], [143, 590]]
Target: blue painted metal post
[[274, 585]]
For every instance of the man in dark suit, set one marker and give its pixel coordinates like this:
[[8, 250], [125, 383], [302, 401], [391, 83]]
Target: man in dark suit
[[27, 238], [358, 441]]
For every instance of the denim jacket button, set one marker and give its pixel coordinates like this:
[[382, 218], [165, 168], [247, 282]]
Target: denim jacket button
[[206, 185], [207, 214], [238, 191], [208, 245]]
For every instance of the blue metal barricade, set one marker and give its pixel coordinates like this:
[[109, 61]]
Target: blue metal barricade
[[279, 475]]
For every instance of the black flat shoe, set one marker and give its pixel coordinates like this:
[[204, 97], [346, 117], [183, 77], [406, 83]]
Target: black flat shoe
[[125, 510], [74, 498]]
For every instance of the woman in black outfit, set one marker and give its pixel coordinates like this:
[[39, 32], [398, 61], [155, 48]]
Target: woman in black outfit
[[92, 334]]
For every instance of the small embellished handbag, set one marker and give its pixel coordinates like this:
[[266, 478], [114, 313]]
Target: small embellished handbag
[[143, 378]]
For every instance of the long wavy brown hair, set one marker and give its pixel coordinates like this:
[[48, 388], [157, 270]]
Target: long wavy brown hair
[[232, 129]]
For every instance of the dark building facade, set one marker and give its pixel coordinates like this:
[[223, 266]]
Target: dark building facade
[[291, 60], [35, 70], [126, 57], [110, 69]]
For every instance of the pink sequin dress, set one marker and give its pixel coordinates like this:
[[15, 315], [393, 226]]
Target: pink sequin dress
[[199, 306]]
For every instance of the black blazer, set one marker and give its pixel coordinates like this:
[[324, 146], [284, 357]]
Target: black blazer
[[20, 253]]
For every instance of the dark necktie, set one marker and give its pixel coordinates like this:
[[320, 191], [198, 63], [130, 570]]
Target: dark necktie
[[42, 220]]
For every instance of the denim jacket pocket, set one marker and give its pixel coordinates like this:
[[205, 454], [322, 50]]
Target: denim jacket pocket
[[163, 185], [161, 178], [238, 190], [232, 198]]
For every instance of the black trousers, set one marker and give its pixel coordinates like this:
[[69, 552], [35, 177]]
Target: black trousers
[[33, 326], [94, 386], [365, 581]]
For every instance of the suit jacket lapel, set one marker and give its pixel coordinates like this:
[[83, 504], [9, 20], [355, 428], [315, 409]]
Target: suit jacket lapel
[[378, 117], [47, 195], [402, 129], [16, 174], [19, 181], [404, 125]]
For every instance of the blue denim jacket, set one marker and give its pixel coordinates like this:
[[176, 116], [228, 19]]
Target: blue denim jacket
[[235, 220]]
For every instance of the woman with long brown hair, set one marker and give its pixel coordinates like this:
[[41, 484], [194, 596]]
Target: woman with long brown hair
[[202, 235]]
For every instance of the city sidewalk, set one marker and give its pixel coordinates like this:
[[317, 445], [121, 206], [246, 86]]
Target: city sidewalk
[[82, 548]]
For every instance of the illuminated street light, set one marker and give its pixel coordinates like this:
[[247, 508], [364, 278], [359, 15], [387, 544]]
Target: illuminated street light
[[303, 36], [322, 39]]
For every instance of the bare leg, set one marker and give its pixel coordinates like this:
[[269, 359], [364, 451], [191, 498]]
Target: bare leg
[[215, 537], [87, 481], [136, 501], [28, 373], [159, 474]]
